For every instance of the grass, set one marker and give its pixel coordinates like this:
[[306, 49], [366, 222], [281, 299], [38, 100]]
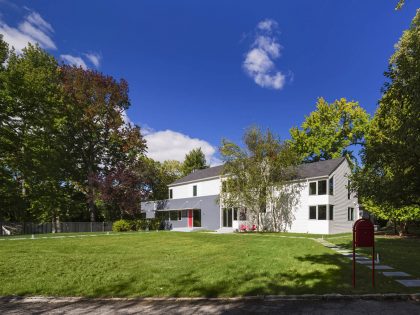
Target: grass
[[179, 264], [400, 253]]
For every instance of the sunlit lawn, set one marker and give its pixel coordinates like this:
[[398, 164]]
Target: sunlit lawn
[[178, 264]]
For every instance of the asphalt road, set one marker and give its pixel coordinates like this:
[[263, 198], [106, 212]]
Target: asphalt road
[[313, 307]]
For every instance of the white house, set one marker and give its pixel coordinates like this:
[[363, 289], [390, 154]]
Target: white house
[[325, 207]]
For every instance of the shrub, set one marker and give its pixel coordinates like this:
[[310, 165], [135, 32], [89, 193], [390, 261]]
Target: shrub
[[121, 226], [142, 225]]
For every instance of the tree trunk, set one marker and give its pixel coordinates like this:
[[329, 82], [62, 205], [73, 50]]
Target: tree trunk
[[395, 227], [403, 228], [91, 197]]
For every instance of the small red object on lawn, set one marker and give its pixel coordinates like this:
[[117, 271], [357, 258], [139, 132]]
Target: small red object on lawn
[[363, 236]]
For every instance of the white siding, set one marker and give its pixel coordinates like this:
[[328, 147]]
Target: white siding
[[340, 200], [205, 187]]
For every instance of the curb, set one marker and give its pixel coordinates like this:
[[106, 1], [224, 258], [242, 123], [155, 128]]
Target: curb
[[268, 298]]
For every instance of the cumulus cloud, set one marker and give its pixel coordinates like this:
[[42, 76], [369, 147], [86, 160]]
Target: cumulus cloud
[[33, 29], [74, 60], [172, 145], [94, 58], [259, 60]]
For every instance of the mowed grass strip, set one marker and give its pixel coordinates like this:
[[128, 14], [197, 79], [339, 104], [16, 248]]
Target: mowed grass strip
[[179, 265]]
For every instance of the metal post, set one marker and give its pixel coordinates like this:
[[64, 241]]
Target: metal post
[[354, 262], [373, 264]]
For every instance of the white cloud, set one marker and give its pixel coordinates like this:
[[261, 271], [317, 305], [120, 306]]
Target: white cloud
[[74, 60], [267, 25], [259, 60], [94, 58], [172, 145], [33, 29]]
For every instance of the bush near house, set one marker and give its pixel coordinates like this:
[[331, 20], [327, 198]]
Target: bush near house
[[121, 226]]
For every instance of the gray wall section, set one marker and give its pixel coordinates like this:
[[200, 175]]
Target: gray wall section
[[210, 210]]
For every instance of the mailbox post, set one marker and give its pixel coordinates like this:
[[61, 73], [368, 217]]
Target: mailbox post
[[363, 236]]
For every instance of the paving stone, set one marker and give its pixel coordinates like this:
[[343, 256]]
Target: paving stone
[[381, 267], [410, 283], [395, 274], [365, 262]]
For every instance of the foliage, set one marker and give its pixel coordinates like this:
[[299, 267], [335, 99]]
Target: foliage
[[122, 226], [330, 131], [65, 150], [148, 224], [258, 177], [390, 175], [194, 160]]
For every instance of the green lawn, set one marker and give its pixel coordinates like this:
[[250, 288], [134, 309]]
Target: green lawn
[[178, 264], [399, 253]]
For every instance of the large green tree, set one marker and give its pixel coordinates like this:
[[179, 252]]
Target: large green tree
[[330, 131], [194, 160], [257, 178], [390, 177], [32, 158]]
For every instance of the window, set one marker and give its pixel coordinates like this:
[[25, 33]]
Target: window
[[322, 187], [173, 215], [179, 215], [312, 188], [322, 212], [184, 213], [331, 186], [312, 213], [350, 214], [171, 194], [235, 214], [331, 213], [194, 190], [348, 190], [242, 215]]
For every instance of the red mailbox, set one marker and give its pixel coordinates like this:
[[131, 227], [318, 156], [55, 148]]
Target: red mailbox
[[364, 233], [363, 236]]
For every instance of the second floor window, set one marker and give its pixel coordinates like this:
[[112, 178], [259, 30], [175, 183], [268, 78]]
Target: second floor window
[[194, 190], [312, 188], [171, 195], [331, 186], [322, 187]]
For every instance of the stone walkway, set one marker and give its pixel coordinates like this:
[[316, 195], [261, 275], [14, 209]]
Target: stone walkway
[[399, 276]]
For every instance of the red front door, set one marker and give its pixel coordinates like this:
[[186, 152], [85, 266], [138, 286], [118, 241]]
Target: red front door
[[190, 218]]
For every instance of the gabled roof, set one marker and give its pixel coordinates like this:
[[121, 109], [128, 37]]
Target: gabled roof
[[214, 171], [307, 170], [317, 169]]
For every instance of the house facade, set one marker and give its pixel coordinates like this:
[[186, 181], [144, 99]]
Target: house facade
[[325, 206]]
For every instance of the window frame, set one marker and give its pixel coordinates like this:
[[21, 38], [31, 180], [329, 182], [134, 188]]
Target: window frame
[[326, 189], [195, 191], [171, 193], [326, 213], [316, 189], [331, 186], [316, 213], [350, 214], [330, 212]]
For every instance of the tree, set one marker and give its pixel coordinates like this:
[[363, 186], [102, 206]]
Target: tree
[[32, 158], [258, 177], [100, 139], [390, 175], [194, 160], [330, 131]]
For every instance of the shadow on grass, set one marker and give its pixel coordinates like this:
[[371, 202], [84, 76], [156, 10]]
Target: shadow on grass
[[333, 274]]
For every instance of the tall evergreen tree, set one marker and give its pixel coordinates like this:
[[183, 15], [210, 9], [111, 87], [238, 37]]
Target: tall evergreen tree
[[194, 160]]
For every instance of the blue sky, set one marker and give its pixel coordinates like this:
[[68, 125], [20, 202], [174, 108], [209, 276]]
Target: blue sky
[[200, 71]]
